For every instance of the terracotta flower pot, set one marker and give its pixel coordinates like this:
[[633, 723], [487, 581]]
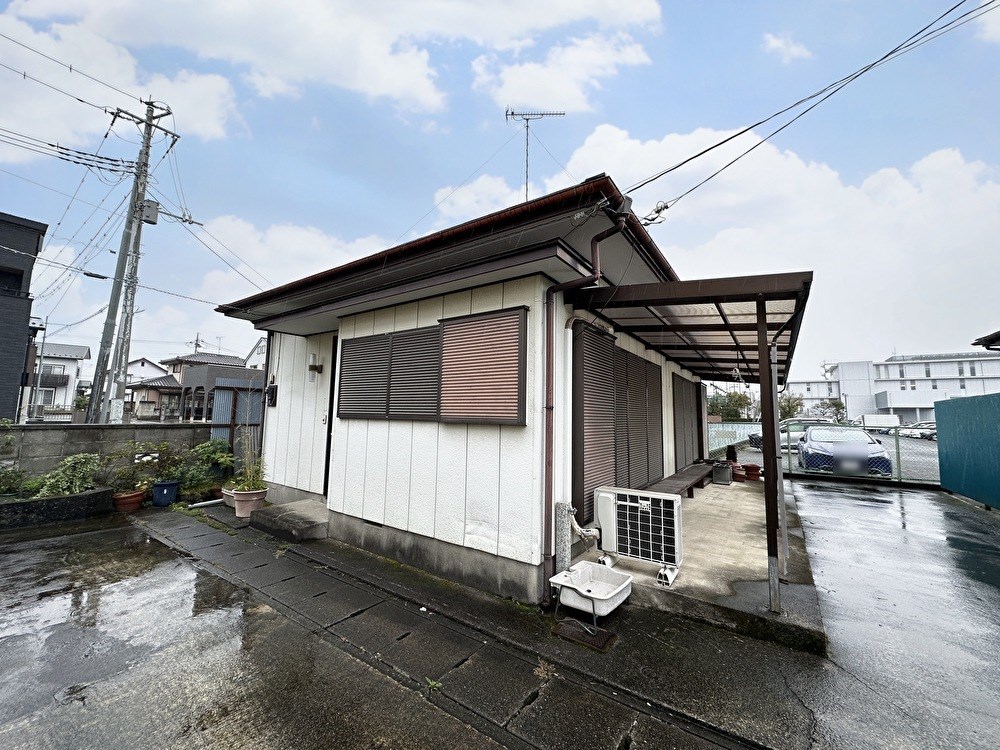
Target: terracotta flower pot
[[228, 498], [247, 502], [129, 502]]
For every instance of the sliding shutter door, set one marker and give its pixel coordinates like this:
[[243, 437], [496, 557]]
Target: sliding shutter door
[[593, 417]]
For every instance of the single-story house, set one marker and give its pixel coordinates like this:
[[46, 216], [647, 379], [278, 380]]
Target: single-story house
[[440, 395]]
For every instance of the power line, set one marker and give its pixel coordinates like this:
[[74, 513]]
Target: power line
[[454, 190], [70, 68], [915, 40], [73, 325], [217, 255], [26, 77]]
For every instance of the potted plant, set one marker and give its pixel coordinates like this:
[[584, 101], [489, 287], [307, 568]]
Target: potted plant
[[249, 487], [215, 462], [11, 482], [123, 473], [168, 465]]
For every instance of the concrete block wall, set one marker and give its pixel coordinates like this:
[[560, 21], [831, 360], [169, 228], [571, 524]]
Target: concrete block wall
[[39, 448]]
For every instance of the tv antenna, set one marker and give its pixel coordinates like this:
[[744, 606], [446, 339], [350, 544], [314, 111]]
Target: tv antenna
[[526, 118]]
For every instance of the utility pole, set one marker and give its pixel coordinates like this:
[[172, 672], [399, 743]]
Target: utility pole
[[36, 388], [100, 408], [527, 117]]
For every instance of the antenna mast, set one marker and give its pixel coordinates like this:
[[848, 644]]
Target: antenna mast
[[527, 117]]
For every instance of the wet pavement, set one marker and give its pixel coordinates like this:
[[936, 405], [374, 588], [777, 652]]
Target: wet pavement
[[111, 640], [230, 639], [909, 585]]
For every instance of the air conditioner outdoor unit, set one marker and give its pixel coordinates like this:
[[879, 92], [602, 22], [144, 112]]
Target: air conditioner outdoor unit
[[643, 526]]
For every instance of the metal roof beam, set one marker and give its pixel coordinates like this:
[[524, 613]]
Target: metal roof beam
[[778, 286]]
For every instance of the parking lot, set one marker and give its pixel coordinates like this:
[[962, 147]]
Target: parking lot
[[913, 459]]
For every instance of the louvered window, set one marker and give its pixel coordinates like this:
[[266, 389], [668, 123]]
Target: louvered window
[[415, 374], [468, 369], [483, 368], [364, 378]]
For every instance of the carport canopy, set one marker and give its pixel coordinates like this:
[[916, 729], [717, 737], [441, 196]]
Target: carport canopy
[[720, 329], [709, 326]]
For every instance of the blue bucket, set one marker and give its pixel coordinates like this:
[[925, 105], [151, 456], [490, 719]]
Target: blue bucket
[[164, 493]]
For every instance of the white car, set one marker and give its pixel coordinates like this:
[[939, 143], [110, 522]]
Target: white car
[[918, 429]]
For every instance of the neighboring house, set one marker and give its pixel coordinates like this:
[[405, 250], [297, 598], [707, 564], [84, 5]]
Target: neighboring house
[[20, 243], [257, 358], [159, 397], [905, 385], [197, 376], [143, 369], [57, 367], [439, 396]]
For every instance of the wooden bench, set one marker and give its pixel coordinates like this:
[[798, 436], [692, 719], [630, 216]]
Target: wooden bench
[[684, 481]]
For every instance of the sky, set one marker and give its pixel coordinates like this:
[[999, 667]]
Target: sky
[[314, 132]]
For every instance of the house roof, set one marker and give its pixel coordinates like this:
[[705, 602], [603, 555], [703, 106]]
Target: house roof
[[163, 383], [64, 351], [205, 358], [989, 341], [544, 235]]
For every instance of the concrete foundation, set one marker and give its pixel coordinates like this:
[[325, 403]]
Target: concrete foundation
[[481, 570]]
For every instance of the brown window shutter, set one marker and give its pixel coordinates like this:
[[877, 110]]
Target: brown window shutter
[[483, 368], [638, 436], [415, 374], [364, 378], [593, 416], [621, 417], [654, 420]]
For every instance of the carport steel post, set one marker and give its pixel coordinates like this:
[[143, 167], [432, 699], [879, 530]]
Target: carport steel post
[[769, 436]]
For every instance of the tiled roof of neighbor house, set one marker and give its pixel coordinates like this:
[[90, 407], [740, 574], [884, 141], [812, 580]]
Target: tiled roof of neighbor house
[[205, 358], [166, 381], [65, 351]]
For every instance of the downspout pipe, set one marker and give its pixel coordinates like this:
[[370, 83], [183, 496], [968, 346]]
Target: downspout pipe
[[548, 562]]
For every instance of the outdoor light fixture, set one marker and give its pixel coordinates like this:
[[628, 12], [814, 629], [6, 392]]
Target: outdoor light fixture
[[314, 367]]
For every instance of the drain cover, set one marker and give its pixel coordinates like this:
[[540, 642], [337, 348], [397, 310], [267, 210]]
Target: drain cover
[[600, 639]]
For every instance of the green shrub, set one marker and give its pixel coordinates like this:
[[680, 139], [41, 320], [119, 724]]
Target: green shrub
[[73, 474], [11, 481]]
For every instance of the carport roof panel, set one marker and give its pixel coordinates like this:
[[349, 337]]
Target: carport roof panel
[[708, 326]]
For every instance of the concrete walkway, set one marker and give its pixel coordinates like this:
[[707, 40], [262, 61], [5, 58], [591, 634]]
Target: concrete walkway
[[470, 654]]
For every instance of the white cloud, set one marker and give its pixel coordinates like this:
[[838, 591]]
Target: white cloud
[[989, 26], [566, 77], [376, 49], [785, 48], [903, 260], [482, 196], [207, 101]]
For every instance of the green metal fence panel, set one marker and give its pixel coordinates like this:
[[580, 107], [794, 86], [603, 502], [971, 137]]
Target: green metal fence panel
[[969, 446]]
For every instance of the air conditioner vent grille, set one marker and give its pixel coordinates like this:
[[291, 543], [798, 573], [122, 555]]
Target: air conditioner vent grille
[[640, 525]]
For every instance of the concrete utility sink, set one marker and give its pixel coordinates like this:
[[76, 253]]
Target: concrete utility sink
[[592, 587]]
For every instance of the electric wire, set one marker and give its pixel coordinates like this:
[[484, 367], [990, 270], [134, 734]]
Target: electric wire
[[558, 163], [67, 326], [24, 75], [437, 205], [70, 68], [257, 286], [905, 47], [915, 40]]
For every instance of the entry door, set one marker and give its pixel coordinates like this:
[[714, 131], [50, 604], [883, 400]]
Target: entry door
[[687, 417]]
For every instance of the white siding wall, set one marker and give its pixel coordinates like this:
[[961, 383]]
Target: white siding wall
[[477, 486], [295, 430]]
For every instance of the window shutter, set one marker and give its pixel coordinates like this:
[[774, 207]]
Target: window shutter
[[594, 417], [654, 420], [638, 456], [364, 378], [415, 374], [621, 418], [482, 368]]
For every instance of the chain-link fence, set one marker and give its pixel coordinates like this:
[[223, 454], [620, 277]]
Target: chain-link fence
[[815, 448]]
